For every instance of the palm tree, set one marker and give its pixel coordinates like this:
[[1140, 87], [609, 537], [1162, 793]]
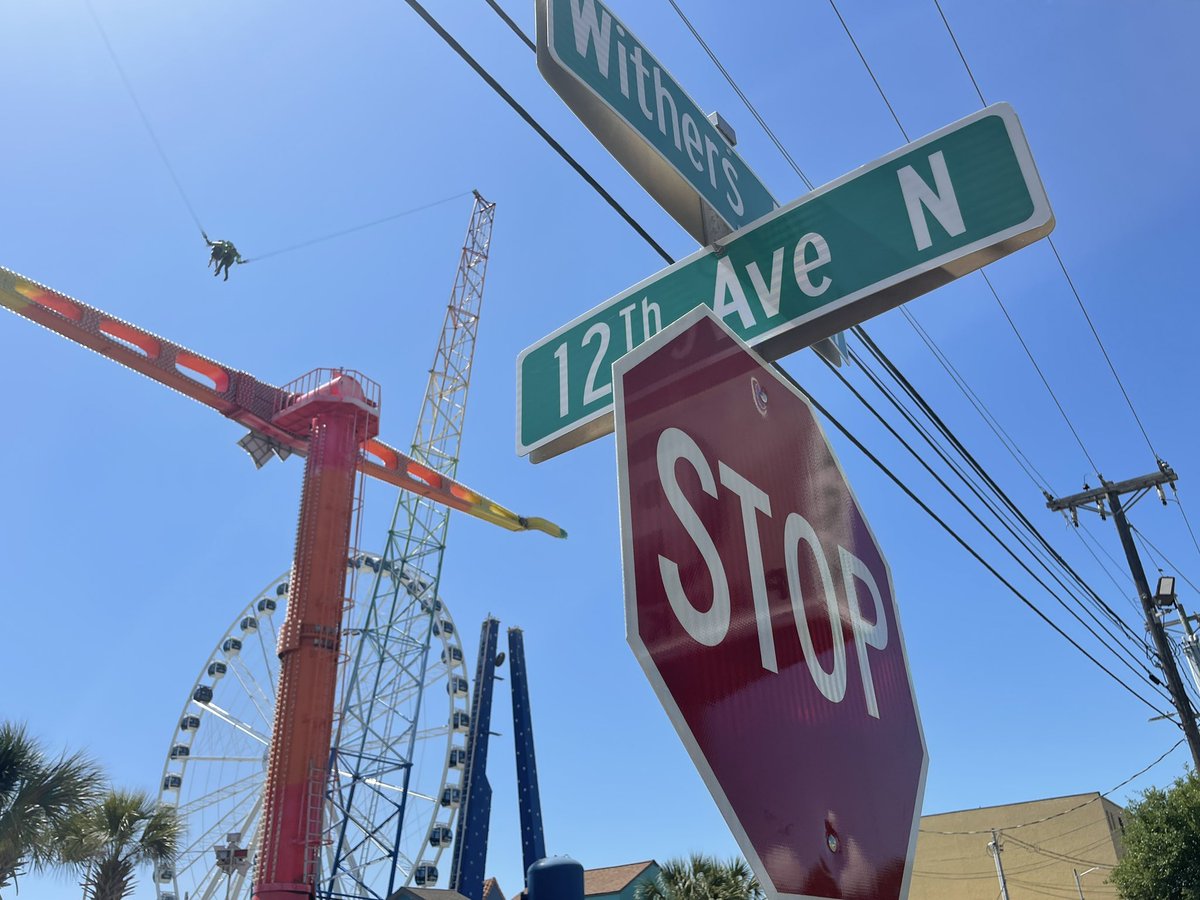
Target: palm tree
[[112, 838], [702, 877], [38, 796]]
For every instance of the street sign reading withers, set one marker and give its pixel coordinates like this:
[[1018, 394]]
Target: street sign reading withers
[[761, 609], [645, 119], [905, 224]]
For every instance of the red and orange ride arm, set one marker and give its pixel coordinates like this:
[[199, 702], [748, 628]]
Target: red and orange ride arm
[[238, 396]]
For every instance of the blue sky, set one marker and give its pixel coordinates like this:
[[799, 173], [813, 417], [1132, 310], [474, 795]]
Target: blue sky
[[134, 528]]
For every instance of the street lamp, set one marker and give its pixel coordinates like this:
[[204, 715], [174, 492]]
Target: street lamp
[[1164, 594], [1078, 875]]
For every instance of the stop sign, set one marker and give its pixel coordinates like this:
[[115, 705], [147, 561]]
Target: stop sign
[[760, 607]]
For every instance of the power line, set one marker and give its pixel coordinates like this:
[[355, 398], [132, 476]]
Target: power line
[[536, 126], [883, 94], [1038, 369], [1186, 520], [878, 463], [1006, 440], [1144, 673], [516, 29], [946, 22], [870, 71], [1103, 349], [1172, 565], [746, 100], [1065, 812], [1061, 264], [445, 35], [1007, 501]]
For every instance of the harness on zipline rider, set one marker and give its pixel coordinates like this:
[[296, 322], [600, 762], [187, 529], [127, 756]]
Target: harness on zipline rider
[[224, 254]]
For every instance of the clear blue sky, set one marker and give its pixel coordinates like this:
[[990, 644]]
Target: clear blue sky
[[134, 529]]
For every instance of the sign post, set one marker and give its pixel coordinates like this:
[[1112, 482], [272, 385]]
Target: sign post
[[760, 607], [905, 224]]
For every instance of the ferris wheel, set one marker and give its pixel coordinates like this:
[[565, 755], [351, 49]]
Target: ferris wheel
[[397, 761]]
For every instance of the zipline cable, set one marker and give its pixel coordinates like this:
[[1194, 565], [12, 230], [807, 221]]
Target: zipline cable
[[162, 154], [365, 225]]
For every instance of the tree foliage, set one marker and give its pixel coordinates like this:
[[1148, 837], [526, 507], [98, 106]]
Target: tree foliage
[[112, 838], [702, 877], [38, 796], [1162, 844]]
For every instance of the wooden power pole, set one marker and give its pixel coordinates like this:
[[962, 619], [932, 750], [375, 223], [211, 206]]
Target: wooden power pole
[[1094, 499]]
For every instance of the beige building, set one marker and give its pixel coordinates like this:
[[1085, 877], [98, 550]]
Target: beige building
[[1043, 844]]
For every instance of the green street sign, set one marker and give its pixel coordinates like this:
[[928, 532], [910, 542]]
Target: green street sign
[[912, 221], [629, 101]]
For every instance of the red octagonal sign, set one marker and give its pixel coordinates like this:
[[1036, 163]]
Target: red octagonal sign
[[760, 607]]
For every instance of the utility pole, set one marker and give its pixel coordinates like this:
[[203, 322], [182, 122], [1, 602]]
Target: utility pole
[[995, 849], [1093, 499], [1191, 643]]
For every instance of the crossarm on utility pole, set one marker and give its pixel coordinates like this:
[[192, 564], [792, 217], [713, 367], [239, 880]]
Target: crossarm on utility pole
[[1112, 491]]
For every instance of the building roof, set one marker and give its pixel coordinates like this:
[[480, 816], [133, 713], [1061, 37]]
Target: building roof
[[491, 890], [421, 893], [613, 879], [1088, 797]]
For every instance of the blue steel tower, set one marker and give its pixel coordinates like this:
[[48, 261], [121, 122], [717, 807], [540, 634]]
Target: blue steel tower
[[471, 832], [533, 838]]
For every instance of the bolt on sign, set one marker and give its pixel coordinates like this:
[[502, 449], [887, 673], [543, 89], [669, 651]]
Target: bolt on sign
[[761, 609], [621, 92], [918, 218]]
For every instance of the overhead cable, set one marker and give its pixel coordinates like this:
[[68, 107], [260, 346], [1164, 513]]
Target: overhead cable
[[1058, 257], [1066, 812], [1143, 674], [536, 126], [862, 448]]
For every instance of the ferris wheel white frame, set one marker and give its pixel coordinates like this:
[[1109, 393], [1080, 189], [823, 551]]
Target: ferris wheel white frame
[[241, 796]]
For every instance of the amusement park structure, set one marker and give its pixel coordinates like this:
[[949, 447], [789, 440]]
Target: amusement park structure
[[330, 416], [415, 545], [474, 824]]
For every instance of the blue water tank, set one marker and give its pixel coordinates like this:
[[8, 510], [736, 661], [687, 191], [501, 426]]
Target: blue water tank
[[557, 878]]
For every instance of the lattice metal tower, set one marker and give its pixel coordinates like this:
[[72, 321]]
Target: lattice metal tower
[[387, 659]]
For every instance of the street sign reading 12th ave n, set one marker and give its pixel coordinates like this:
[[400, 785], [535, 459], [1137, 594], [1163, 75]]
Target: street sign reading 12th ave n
[[761, 609], [905, 224], [645, 119]]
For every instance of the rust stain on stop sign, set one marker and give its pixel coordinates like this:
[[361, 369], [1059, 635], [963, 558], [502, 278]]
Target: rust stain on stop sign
[[761, 609]]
